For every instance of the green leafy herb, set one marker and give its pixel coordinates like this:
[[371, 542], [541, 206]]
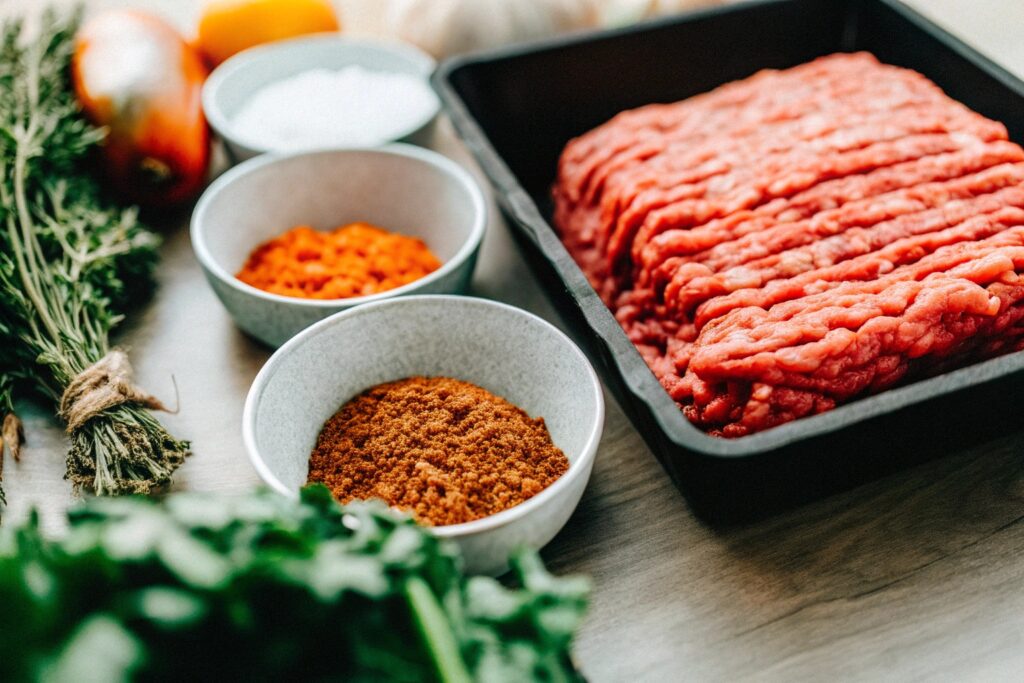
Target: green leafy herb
[[70, 265], [260, 587]]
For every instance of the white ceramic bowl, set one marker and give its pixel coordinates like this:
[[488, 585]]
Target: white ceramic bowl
[[503, 349], [233, 82], [402, 188]]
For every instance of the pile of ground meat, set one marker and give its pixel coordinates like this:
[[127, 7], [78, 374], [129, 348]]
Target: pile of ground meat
[[798, 239]]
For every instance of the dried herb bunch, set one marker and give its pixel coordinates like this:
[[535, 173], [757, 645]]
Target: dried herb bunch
[[70, 266]]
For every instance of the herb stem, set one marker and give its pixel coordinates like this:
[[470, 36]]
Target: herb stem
[[23, 250], [435, 632]]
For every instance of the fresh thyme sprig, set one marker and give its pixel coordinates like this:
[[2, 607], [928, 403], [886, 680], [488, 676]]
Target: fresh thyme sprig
[[70, 265]]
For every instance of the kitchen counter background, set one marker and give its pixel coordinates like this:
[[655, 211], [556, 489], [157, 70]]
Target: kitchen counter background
[[918, 575]]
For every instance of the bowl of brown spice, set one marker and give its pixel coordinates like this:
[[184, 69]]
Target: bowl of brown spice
[[479, 419]]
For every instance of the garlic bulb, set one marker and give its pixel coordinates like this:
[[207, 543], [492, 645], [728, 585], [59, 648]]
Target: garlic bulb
[[447, 27], [621, 12]]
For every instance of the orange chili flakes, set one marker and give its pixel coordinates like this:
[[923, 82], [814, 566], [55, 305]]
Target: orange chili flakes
[[354, 260]]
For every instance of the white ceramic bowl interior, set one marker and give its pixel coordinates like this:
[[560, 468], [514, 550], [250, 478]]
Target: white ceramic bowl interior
[[233, 82], [505, 350], [402, 188]]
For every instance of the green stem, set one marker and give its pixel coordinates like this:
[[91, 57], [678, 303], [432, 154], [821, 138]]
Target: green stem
[[436, 632], [25, 249]]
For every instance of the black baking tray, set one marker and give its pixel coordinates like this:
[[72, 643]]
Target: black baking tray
[[516, 108]]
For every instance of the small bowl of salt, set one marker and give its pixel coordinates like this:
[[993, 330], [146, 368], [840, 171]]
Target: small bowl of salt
[[322, 91]]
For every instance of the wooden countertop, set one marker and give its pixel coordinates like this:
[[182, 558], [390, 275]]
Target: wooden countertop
[[918, 575]]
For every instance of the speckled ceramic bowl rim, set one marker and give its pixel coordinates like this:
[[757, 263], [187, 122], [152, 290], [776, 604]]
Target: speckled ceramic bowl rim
[[576, 469], [197, 230], [223, 126]]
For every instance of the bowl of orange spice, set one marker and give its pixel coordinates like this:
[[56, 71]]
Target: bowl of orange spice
[[287, 240], [479, 419]]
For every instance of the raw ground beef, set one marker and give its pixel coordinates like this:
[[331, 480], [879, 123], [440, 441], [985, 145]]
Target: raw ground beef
[[798, 239]]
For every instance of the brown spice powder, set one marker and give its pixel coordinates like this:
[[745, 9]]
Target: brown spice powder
[[445, 450]]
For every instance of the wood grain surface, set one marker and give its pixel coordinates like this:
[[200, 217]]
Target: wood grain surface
[[916, 576]]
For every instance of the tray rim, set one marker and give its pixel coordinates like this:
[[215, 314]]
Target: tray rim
[[622, 356]]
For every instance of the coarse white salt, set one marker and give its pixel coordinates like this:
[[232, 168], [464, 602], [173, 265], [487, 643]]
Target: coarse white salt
[[352, 107]]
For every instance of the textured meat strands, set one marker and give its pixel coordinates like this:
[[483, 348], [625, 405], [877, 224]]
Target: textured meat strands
[[905, 260], [781, 178], [689, 289], [875, 265], [737, 160], [798, 239], [750, 98], [979, 263], [865, 212], [590, 159], [854, 344], [827, 196], [779, 127], [854, 115]]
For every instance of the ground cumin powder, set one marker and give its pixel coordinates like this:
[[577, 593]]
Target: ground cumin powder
[[445, 450]]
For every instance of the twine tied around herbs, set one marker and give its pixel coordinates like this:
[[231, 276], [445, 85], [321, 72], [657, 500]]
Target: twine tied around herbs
[[12, 436], [103, 385]]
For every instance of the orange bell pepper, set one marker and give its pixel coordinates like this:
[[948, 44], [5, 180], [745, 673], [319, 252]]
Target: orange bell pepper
[[227, 27]]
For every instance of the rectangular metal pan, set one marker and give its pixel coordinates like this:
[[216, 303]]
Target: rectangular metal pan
[[517, 108]]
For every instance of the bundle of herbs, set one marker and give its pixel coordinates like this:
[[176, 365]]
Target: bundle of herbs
[[260, 587], [70, 266]]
